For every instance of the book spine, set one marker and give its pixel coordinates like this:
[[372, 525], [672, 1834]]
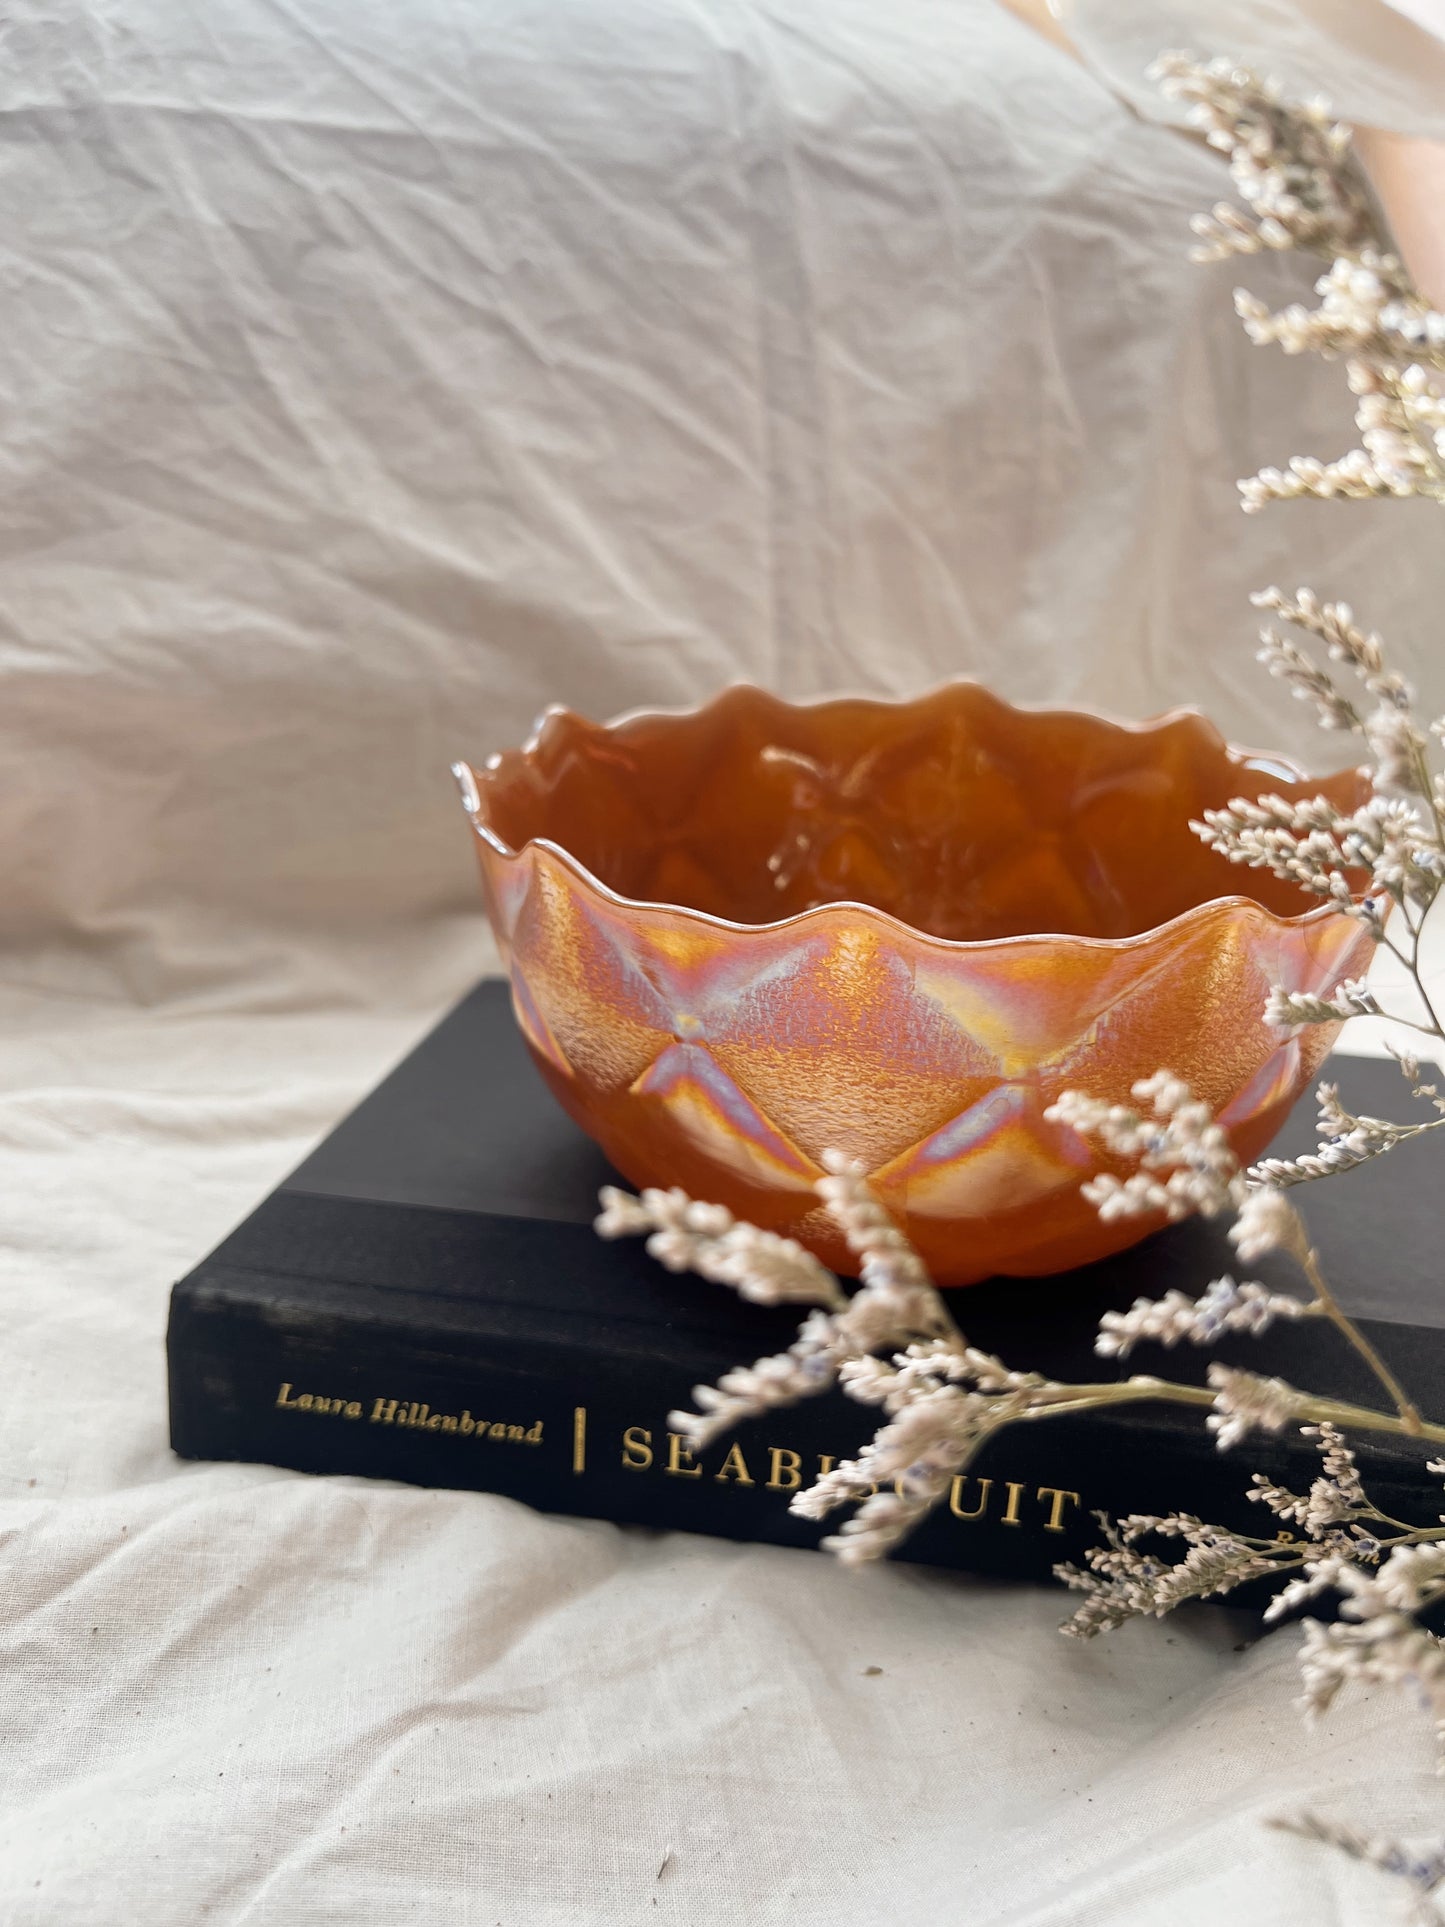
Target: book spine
[[567, 1431]]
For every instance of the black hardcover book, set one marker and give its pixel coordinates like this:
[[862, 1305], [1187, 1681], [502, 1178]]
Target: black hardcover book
[[424, 1299]]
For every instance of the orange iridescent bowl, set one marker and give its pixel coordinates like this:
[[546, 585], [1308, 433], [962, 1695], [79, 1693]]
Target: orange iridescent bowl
[[744, 934]]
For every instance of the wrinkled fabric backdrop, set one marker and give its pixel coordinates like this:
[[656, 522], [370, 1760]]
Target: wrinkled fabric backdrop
[[371, 376]]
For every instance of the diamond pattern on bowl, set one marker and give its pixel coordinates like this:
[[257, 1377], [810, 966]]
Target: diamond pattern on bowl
[[703, 1104]]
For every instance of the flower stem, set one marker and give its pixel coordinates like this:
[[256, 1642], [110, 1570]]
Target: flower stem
[[1060, 1401], [1348, 1329], [1419, 980]]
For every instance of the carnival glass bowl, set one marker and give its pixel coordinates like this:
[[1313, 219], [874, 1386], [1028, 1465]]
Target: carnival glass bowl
[[744, 934]]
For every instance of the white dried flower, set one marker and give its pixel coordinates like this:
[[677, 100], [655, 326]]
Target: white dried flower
[[899, 1301], [1353, 998], [706, 1239], [808, 1368], [889, 1262], [1410, 1071], [1244, 1402], [622, 1215], [1300, 842], [912, 1462], [1377, 1640], [1339, 1462], [1181, 1139], [897, 1306], [1345, 1140], [1306, 681], [1267, 1221], [1318, 1577], [1333, 623], [1137, 1196], [1399, 752], [1335, 1498], [1317, 847], [1175, 1318], [925, 1368], [1327, 1162], [1290, 162], [1301, 189], [1121, 1582]]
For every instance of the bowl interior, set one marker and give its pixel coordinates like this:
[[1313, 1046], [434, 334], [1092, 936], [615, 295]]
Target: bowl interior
[[957, 814]]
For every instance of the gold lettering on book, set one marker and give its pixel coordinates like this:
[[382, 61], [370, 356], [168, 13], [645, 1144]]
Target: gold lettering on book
[[955, 1494], [411, 1415], [734, 1466], [1055, 1520], [971, 1499], [292, 1401], [415, 1415]]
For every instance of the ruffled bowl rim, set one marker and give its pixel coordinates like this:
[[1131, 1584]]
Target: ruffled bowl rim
[[1269, 761]]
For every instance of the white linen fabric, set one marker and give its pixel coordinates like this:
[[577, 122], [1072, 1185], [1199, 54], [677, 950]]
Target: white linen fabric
[[373, 375]]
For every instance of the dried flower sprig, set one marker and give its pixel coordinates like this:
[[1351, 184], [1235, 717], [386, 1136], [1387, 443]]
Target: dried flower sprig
[[1291, 162], [706, 1239], [1342, 1531], [1176, 1318], [1294, 170], [945, 1399], [1301, 188], [1382, 864], [1345, 1140], [894, 1345]]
